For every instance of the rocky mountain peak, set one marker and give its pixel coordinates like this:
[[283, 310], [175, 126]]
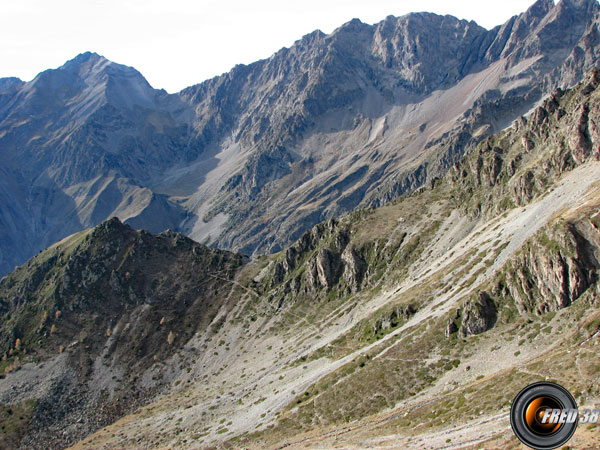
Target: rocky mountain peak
[[307, 41], [76, 69], [354, 25], [96, 80], [89, 64], [577, 3], [83, 59], [427, 50], [111, 229], [10, 83], [574, 11], [546, 30], [540, 8]]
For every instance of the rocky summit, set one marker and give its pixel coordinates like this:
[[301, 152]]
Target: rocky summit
[[251, 159], [410, 217]]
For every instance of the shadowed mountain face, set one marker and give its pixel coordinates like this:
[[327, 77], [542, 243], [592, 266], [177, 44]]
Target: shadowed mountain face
[[251, 159]]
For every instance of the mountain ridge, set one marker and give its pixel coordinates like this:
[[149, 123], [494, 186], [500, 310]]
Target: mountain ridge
[[356, 117]]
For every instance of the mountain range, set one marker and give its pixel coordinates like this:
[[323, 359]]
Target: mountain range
[[251, 159], [409, 220]]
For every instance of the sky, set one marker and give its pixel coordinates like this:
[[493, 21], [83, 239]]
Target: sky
[[178, 43]]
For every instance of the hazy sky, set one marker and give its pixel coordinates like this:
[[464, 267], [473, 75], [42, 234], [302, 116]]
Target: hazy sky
[[177, 43]]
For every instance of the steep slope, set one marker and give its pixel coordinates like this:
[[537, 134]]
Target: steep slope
[[251, 159], [369, 112], [105, 310], [388, 327]]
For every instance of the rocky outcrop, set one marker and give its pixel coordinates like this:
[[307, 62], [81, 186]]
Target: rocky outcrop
[[479, 314], [393, 318], [323, 270], [451, 323], [506, 169], [323, 258], [553, 270], [354, 268], [550, 272]]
